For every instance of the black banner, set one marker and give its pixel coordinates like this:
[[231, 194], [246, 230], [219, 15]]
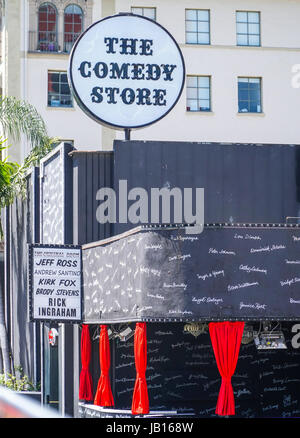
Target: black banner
[[248, 273]]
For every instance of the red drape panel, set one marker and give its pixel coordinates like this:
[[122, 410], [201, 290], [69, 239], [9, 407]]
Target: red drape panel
[[85, 382], [104, 395], [140, 401], [226, 340]]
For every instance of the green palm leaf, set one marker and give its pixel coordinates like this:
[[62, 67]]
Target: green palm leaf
[[19, 117]]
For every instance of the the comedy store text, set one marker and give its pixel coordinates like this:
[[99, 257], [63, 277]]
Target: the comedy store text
[[133, 71]]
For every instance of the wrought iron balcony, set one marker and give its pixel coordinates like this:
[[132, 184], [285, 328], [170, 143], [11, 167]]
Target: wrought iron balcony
[[51, 42]]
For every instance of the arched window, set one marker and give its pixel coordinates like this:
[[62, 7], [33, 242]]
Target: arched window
[[73, 25], [47, 33]]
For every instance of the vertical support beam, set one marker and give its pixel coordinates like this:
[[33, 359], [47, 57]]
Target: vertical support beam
[[65, 346], [36, 239]]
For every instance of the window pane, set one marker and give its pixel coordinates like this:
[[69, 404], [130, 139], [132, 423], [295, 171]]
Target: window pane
[[54, 77], [191, 14], [192, 105], [204, 105], [64, 78], [203, 81], [241, 27], [65, 100], [54, 100], [65, 89], [149, 13], [254, 93], [254, 40], [203, 15], [243, 94], [191, 93], [68, 18], [203, 93], [203, 27], [192, 81], [138, 11], [203, 38], [145, 12], [191, 38], [253, 28], [253, 17], [243, 107], [254, 107], [242, 17], [242, 40], [77, 28], [191, 26]]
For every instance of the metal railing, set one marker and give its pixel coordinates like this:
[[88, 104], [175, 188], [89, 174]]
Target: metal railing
[[51, 42]]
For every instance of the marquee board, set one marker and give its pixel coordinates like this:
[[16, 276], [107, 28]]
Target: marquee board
[[54, 283], [224, 273]]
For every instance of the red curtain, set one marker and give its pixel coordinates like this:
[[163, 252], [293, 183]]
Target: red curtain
[[226, 340], [140, 401], [85, 382], [104, 395]]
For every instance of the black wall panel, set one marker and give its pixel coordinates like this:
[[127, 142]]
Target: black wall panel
[[245, 183], [23, 230], [182, 374], [91, 171]]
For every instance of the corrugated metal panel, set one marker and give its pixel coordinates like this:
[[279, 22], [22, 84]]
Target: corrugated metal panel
[[91, 171], [244, 183], [23, 225]]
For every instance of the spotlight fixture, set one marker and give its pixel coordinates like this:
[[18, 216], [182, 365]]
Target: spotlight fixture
[[195, 328], [110, 333], [247, 334], [125, 334], [269, 339]]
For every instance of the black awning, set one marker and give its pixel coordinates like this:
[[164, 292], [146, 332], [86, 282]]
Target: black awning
[[249, 272]]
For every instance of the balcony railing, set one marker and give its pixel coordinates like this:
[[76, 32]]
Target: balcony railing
[[51, 42]]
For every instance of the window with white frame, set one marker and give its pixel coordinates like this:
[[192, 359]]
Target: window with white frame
[[198, 93], [145, 12], [249, 95], [59, 94], [248, 28], [197, 26]]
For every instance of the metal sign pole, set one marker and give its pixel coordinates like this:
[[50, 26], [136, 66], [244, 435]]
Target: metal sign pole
[[127, 134]]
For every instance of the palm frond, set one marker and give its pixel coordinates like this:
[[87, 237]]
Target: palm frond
[[19, 117]]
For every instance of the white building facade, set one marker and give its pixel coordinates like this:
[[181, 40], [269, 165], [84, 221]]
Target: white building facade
[[242, 68]]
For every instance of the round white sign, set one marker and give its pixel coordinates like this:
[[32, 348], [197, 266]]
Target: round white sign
[[126, 71]]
